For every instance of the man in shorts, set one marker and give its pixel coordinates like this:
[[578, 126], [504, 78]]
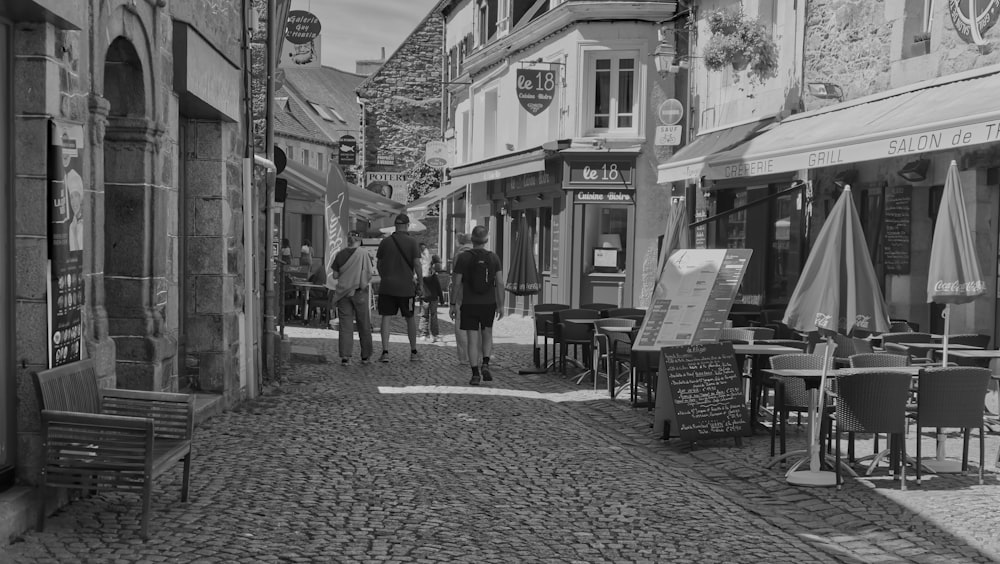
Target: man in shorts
[[477, 301], [399, 270]]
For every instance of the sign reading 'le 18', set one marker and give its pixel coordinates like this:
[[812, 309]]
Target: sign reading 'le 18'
[[536, 89], [614, 173]]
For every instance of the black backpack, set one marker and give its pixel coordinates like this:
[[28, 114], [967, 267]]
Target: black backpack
[[483, 279]]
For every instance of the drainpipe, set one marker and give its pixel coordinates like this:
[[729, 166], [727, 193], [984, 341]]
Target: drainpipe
[[270, 334]]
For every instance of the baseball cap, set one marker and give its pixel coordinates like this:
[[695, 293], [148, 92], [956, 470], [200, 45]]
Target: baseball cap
[[402, 219]]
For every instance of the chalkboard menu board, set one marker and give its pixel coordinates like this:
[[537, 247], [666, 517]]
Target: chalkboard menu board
[[706, 391], [896, 251]]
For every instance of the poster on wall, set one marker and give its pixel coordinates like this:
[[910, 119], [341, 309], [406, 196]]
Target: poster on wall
[[65, 237], [392, 185]]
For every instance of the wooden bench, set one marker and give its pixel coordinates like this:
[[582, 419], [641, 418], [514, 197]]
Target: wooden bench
[[109, 439]]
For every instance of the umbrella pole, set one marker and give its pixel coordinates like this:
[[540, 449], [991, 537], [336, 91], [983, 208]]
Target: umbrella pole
[[947, 328], [814, 461]]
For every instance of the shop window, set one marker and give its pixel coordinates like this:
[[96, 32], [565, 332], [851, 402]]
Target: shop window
[[613, 101], [544, 239]]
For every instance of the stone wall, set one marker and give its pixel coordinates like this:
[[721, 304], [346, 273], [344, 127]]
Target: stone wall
[[847, 43], [402, 100]]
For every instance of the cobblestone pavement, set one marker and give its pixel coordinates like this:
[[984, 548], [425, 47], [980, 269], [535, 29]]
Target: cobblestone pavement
[[398, 462]]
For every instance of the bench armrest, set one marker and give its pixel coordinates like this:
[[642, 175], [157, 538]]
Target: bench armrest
[[173, 414], [94, 442]]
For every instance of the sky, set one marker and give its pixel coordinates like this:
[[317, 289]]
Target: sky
[[358, 29]]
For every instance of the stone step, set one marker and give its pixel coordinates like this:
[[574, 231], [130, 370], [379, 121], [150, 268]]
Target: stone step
[[207, 406]]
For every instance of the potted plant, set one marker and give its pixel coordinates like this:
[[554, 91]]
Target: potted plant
[[740, 42], [921, 43]]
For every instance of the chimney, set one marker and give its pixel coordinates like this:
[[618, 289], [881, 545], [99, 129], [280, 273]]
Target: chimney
[[383, 54]]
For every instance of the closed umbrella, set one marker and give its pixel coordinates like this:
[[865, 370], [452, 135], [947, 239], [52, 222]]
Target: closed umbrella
[[954, 276], [837, 290], [675, 237], [522, 276]]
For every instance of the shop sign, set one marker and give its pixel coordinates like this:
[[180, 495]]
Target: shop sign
[[66, 242], [530, 183], [973, 19], [603, 197], [347, 153], [302, 34], [536, 89], [436, 154], [939, 139], [392, 185], [610, 171]]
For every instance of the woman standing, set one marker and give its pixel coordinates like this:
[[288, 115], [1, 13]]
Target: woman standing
[[306, 253]]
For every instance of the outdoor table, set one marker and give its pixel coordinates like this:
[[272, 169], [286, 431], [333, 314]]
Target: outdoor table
[[939, 346], [758, 352], [306, 287], [815, 476]]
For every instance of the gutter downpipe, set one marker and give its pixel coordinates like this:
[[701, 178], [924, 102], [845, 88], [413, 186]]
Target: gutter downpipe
[[270, 334]]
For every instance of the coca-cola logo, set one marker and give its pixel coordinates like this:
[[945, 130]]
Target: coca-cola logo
[[823, 319], [971, 287], [862, 321]]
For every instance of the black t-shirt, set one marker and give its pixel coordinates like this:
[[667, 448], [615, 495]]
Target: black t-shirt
[[465, 264], [396, 277]]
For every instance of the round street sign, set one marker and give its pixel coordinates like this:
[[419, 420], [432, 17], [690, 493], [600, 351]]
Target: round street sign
[[301, 27], [436, 154], [670, 112]]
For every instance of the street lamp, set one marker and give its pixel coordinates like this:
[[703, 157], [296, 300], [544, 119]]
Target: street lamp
[[664, 58]]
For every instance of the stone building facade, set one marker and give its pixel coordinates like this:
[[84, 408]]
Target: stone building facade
[[157, 90], [401, 107]]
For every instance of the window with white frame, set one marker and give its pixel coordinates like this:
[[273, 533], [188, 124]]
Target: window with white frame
[[486, 20], [305, 157], [613, 99]]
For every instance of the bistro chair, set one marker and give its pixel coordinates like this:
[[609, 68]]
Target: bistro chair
[[607, 333], [873, 402], [744, 315], [761, 333], [902, 326], [545, 328], [952, 397], [972, 339], [862, 346], [790, 394], [845, 348], [878, 360], [895, 343], [624, 311], [737, 335], [574, 335], [598, 306]]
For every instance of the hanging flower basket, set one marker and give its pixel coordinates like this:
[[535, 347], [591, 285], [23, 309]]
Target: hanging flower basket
[[742, 43]]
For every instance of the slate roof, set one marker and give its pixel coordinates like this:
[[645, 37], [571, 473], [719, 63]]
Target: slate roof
[[291, 120], [328, 88]]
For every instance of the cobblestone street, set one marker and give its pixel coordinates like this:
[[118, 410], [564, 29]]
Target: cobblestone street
[[402, 462]]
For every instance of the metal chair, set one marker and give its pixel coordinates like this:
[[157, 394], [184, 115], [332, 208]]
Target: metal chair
[[873, 402], [607, 332], [790, 394], [574, 335], [624, 311], [545, 328], [952, 396], [598, 306]]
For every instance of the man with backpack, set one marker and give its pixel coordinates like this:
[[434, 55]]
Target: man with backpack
[[477, 300]]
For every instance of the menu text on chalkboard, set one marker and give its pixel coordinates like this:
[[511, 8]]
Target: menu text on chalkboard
[[706, 391], [896, 251]]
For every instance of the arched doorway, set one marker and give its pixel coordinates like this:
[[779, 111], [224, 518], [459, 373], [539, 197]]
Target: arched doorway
[[136, 241]]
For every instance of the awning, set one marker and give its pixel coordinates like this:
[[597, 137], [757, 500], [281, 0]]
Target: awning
[[305, 183], [500, 167], [689, 162], [417, 208], [932, 116]]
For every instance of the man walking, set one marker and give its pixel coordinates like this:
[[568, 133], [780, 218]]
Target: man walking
[[353, 271], [477, 301], [399, 268]]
